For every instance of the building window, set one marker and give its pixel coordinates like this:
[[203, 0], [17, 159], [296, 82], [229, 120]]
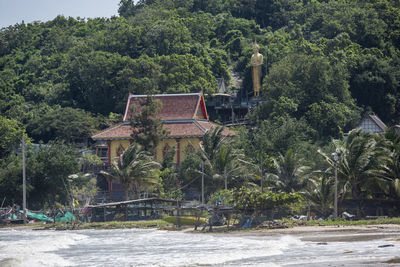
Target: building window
[[102, 153]]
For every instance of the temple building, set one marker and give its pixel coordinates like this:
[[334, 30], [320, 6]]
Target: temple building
[[184, 116]]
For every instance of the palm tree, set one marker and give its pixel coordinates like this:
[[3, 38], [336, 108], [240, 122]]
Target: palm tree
[[319, 192], [290, 172], [135, 170], [226, 164], [210, 146], [389, 168], [221, 160], [358, 157], [212, 143]]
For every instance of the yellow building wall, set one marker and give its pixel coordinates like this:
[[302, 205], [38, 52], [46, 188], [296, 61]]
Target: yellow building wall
[[183, 142], [115, 145]]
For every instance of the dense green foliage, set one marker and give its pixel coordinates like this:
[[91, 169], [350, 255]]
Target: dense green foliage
[[328, 62], [250, 199], [48, 168]]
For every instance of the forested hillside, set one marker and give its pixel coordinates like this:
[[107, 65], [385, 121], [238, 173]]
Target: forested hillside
[[328, 62]]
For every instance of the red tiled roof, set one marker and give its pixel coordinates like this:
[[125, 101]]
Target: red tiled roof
[[121, 131], [207, 125], [174, 106], [183, 129], [124, 131], [178, 113], [179, 129]]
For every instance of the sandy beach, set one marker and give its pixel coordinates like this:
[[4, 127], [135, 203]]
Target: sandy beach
[[333, 233], [381, 235]]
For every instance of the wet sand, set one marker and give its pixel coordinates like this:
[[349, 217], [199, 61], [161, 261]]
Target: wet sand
[[335, 233], [387, 236]]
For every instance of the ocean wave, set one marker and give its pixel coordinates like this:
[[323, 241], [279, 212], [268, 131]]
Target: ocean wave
[[32, 248]]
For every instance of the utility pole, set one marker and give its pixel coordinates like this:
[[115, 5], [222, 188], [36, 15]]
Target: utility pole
[[335, 157], [233, 113], [225, 178], [335, 200], [261, 177], [202, 183], [23, 179]]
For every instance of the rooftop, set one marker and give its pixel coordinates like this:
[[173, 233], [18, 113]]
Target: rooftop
[[174, 106], [183, 115]]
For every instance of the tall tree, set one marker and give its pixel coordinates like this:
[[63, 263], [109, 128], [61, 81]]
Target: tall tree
[[227, 165], [358, 159], [319, 193], [289, 173], [48, 168], [389, 168], [211, 144], [11, 134], [147, 128]]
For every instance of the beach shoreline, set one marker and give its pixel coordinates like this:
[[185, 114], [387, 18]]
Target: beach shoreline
[[339, 245], [292, 230]]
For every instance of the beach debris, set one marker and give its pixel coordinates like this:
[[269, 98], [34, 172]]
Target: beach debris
[[394, 260], [273, 225], [348, 216], [348, 252], [322, 243], [10, 262], [299, 217], [385, 246]]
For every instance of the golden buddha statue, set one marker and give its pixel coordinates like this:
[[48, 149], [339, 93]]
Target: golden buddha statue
[[256, 71]]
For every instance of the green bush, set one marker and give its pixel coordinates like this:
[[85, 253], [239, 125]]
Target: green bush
[[252, 199]]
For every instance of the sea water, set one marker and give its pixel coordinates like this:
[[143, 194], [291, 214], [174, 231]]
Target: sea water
[[137, 247]]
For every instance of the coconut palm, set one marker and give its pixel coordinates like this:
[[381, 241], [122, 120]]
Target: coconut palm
[[319, 192], [210, 146], [290, 172], [211, 143], [226, 164], [358, 157], [389, 168], [135, 170], [221, 160]]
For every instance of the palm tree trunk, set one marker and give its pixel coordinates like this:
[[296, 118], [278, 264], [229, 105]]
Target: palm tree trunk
[[126, 194], [356, 193]]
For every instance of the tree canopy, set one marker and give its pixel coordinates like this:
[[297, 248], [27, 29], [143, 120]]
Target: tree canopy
[[326, 63]]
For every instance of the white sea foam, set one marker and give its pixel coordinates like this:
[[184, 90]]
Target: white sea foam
[[159, 248], [135, 247], [35, 248]]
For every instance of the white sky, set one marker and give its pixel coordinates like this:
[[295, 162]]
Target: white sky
[[14, 11]]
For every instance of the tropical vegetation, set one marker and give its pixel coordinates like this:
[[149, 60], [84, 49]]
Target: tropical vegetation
[[135, 169], [327, 64]]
